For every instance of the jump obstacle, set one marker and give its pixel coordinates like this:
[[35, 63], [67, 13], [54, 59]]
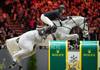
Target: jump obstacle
[[61, 58]]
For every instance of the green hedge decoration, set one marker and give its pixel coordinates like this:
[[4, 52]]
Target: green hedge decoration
[[32, 63]]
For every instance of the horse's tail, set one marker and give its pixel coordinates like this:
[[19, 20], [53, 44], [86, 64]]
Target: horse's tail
[[4, 45]]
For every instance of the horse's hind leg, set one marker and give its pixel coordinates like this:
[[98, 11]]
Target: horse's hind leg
[[20, 66], [16, 64]]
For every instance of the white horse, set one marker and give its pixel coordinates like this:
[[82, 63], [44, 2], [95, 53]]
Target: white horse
[[62, 33]]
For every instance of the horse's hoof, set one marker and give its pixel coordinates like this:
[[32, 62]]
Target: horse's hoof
[[20, 68], [12, 65]]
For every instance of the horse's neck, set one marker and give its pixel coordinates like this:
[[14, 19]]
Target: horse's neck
[[74, 19], [70, 20]]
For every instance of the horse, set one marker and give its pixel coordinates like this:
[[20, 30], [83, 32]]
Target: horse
[[62, 33]]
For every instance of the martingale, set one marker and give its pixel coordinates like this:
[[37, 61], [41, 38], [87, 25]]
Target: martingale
[[62, 57]]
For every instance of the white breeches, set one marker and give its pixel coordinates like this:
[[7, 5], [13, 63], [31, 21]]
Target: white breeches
[[46, 20]]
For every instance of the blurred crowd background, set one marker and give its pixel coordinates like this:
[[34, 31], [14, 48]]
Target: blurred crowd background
[[18, 16]]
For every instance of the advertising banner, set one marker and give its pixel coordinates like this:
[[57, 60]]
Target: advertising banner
[[89, 55], [57, 55], [62, 57]]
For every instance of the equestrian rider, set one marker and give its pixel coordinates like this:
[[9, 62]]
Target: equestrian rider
[[52, 15]]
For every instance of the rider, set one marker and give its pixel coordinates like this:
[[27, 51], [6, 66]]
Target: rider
[[28, 41], [52, 15]]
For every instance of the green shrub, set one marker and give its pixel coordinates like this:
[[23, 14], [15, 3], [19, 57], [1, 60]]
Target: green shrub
[[32, 63], [1, 66]]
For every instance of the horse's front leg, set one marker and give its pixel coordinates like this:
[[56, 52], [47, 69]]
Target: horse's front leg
[[71, 37]]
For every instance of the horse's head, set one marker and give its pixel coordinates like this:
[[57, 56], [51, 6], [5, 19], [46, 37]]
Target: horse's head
[[79, 25], [84, 28]]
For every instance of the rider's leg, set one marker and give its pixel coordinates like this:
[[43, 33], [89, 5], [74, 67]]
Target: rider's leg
[[46, 20]]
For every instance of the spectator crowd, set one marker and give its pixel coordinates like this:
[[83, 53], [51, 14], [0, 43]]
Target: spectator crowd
[[26, 13]]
